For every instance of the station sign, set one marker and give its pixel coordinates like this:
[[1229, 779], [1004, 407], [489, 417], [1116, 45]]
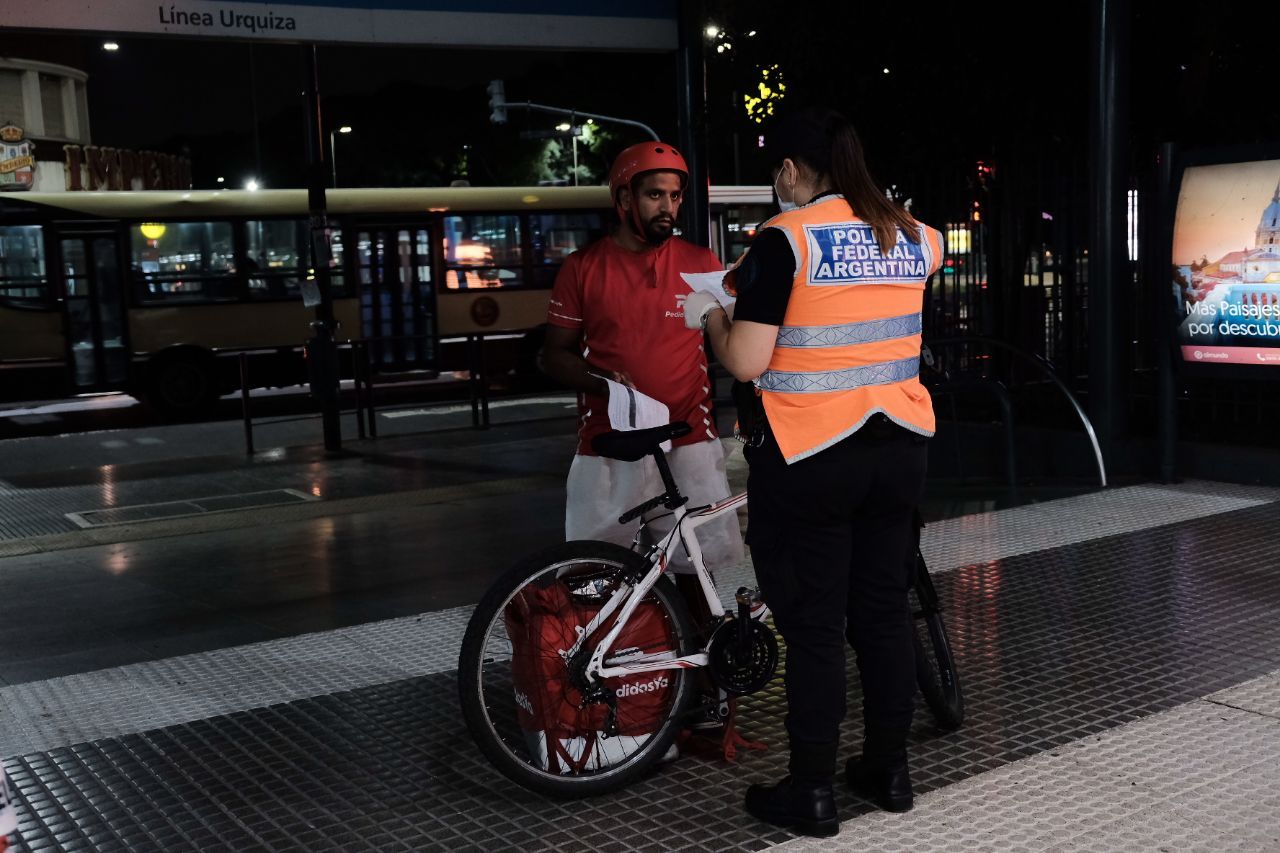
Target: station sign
[[536, 24]]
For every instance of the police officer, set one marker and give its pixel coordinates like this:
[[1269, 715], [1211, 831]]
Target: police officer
[[827, 327]]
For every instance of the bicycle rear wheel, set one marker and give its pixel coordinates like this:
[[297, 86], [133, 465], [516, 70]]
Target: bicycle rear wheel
[[935, 666], [548, 732]]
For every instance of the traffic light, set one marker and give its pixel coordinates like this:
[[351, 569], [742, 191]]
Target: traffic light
[[497, 102]]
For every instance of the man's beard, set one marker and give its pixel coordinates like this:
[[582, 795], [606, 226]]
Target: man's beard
[[657, 230]]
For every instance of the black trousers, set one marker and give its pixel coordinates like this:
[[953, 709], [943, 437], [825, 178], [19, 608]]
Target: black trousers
[[832, 538]]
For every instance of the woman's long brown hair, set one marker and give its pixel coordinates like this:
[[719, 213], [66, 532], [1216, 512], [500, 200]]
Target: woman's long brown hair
[[846, 166]]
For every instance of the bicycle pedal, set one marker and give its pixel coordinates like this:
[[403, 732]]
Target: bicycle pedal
[[712, 712], [751, 598]]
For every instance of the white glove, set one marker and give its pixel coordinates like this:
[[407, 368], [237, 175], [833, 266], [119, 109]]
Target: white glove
[[698, 305]]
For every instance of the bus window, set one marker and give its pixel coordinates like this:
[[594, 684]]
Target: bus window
[[482, 251], [23, 281], [740, 225], [183, 262], [279, 255], [555, 236]]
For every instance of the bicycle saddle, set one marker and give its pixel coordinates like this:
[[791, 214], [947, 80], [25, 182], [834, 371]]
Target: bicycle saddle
[[635, 444]]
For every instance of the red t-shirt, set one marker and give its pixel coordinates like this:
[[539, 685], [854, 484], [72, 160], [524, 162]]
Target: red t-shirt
[[630, 309]]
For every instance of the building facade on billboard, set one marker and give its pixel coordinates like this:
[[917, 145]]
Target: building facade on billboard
[[1263, 264], [1256, 264], [1231, 303], [45, 144]]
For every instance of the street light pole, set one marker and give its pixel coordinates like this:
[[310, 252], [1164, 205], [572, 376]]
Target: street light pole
[[333, 152]]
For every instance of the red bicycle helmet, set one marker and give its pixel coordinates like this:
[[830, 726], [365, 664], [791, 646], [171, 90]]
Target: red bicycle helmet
[[634, 162]]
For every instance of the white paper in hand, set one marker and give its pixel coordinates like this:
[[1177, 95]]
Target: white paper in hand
[[709, 282], [630, 409]]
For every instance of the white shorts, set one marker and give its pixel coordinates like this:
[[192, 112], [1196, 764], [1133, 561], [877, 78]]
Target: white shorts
[[602, 489]]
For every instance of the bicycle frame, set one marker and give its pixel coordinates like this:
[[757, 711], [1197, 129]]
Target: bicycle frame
[[629, 597]]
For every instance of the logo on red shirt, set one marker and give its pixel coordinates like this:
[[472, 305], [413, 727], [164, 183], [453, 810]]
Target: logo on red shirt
[[679, 312]]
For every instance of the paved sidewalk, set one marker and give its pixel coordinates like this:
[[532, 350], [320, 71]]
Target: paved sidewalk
[[210, 652]]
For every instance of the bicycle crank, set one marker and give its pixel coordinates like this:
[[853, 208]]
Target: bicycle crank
[[741, 665]]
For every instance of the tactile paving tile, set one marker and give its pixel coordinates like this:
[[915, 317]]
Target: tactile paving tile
[[1054, 647], [134, 698], [1020, 530], [106, 703], [1164, 777], [1262, 695]]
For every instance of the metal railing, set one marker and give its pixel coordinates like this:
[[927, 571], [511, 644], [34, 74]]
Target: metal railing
[[362, 376], [1043, 366]]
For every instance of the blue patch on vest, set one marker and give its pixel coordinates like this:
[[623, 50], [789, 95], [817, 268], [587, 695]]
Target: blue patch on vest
[[847, 253]]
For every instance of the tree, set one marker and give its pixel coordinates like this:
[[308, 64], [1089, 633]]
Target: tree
[[556, 165]]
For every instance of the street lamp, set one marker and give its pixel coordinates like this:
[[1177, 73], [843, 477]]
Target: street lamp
[[333, 152]]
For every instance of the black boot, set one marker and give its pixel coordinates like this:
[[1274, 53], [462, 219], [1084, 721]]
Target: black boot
[[885, 782], [808, 809]]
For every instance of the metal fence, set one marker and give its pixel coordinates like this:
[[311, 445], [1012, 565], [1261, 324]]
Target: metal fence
[[1017, 270]]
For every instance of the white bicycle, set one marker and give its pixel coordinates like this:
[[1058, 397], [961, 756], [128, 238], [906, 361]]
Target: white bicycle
[[575, 670]]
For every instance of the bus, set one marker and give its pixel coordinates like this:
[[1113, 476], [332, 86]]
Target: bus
[[157, 293]]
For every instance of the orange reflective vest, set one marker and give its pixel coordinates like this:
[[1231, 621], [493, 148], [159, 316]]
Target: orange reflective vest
[[849, 345]]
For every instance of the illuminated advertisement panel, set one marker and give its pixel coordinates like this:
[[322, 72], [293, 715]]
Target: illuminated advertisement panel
[[1226, 264]]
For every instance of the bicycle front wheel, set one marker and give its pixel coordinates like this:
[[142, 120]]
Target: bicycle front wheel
[[529, 707], [935, 666]]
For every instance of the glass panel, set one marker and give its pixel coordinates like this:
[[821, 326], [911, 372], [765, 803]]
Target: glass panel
[[80, 336], [51, 104], [79, 312], [279, 258], [396, 301], [740, 225], [337, 276], [482, 251], [424, 306], [423, 248], [10, 94], [404, 275], [184, 262], [110, 310], [23, 281], [555, 236], [74, 261]]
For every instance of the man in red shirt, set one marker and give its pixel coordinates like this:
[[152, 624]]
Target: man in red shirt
[[617, 311]]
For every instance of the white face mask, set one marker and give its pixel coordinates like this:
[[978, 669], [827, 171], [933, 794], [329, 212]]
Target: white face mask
[[783, 205]]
